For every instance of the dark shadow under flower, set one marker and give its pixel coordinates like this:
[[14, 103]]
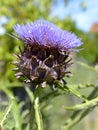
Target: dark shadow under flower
[[45, 57]]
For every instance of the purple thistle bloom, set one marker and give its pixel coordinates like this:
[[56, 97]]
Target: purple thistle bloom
[[44, 33], [45, 58]]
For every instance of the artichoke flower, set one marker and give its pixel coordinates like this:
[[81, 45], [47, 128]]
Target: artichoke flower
[[46, 55]]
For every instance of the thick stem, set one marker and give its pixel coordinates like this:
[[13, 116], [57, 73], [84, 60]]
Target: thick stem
[[32, 116], [35, 114], [38, 116]]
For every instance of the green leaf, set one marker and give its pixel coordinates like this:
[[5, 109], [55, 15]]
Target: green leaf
[[79, 114]]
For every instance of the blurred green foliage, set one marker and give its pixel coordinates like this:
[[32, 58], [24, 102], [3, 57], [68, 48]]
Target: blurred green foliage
[[23, 11]]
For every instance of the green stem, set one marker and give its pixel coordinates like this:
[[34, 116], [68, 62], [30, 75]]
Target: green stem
[[32, 115], [32, 111], [38, 114], [88, 104], [35, 114]]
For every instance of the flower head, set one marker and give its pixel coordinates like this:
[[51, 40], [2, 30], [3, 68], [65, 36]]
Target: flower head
[[46, 54], [46, 34]]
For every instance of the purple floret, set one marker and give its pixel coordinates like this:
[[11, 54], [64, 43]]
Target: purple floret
[[44, 33]]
